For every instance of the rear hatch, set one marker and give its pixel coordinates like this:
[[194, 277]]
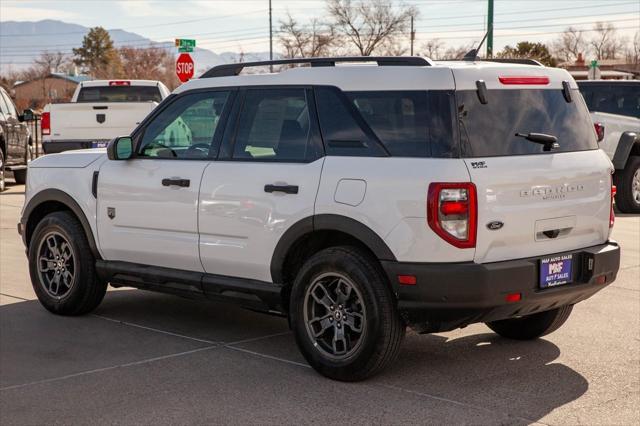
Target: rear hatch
[[533, 200]]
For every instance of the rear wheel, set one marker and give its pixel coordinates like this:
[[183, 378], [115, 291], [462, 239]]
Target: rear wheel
[[62, 267], [532, 326], [628, 186], [344, 315], [20, 176]]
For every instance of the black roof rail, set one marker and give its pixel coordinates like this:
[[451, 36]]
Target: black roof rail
[[522, 61], [229, 70]]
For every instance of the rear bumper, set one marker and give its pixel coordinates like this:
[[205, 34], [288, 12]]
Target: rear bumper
[[53, 147], [449, 296]]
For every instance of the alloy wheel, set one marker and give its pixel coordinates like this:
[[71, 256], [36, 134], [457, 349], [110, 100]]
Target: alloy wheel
[[56, 265], [335, 316]]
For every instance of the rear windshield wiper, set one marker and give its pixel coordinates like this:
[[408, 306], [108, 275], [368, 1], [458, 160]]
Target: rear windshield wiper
[[549, 141]]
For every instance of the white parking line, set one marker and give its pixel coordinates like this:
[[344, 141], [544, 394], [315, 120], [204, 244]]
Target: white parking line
[[113, 367]]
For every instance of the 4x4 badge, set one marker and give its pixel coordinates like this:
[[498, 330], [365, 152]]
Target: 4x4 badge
[[495, 225]]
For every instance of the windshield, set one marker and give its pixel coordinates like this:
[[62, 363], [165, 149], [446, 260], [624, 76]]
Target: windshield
[[120, 94], [488, 130]]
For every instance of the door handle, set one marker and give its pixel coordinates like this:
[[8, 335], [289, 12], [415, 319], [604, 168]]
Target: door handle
[[176, 182], [287, 189]]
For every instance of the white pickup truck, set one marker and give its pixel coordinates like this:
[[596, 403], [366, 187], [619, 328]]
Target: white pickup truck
[[615, 110], [99, 111]]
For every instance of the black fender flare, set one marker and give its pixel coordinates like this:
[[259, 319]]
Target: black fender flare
[[625, 145], [326, 222], [63, 198]]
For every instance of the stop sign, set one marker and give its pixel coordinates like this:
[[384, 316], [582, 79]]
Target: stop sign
[[184, 67]]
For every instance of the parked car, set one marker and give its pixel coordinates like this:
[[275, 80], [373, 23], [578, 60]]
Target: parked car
[[355, 200], [15, 141], [99, 111], [615, 110]]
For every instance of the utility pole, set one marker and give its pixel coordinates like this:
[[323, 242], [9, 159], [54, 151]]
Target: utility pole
[[490, 30], [270, 38], [413, 35]]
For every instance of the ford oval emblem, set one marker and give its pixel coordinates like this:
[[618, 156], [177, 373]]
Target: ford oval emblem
[[495, 225]]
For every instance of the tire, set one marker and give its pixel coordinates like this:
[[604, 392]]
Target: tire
[[628, 185], [3, 183], [78, 290], [532, 326], [20, 176], [366, 302]]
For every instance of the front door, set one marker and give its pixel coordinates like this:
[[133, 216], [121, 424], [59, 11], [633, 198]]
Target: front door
[[265, 180], [147, 205]]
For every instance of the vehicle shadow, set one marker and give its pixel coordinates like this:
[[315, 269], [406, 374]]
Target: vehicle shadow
[[509, 382], [519, 378]]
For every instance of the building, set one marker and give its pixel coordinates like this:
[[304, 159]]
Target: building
[[55, 87], [610, 69]]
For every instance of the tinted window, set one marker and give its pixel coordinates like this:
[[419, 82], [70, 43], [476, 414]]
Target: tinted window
[[343, 129], [622, 99], [273, 125], [120, 94], [185, 129], [399, 120], [9, 108], [489, 130]]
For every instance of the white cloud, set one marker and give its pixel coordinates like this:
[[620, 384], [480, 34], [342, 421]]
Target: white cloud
[[13, 13]]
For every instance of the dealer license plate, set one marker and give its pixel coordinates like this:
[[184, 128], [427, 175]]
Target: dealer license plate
[[555, 271]]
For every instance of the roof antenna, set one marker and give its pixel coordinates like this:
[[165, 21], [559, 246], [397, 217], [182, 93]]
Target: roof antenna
[[473, 53]]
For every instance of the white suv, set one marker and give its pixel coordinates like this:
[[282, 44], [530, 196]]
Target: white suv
[[356, 200]]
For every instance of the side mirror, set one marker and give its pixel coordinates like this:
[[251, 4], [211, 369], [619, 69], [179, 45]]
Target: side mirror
[[27, 115], [120, 148]]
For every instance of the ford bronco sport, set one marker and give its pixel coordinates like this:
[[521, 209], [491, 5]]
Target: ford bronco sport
[[355, 199]]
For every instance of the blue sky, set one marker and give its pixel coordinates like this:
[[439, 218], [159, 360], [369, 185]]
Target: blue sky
[[235, 25]]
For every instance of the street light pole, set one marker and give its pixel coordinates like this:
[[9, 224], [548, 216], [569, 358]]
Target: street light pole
[[490, 30], [413, 35], [270, 37]]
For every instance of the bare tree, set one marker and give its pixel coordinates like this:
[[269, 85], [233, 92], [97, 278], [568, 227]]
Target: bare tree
[[433, 48], [50, 62], [633, 50], [605, 43], [457, 52], [368, 25], [148, 63], [569, 45], [314, 40]]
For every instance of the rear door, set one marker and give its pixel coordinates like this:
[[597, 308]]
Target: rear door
[[265, 180], [533, 202]]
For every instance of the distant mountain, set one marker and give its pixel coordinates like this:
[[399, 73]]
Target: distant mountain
[[22, 42]]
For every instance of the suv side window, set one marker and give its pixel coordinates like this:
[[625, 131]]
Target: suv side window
[[273, 125], [186, 128], [8, 107]]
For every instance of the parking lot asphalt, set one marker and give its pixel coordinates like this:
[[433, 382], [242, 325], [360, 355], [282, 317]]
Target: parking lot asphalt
[[145, 358]]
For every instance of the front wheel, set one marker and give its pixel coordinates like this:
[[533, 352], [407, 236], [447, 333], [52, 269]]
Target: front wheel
[[344, 316], [532, 326], [62, 267]]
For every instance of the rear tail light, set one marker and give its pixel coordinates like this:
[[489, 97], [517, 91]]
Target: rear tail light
[[612, 215], [119, 83], [599, 131], [523, 79], [452, 212], [45, 123]]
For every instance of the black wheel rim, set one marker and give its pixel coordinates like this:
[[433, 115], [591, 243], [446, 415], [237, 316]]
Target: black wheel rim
[[335, 316], [56, 265]]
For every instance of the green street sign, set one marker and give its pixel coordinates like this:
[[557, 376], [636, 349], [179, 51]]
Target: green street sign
[[185, 42], [594, 63], [185, 49]]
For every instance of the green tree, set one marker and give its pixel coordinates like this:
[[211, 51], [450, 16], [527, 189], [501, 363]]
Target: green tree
[[529, 50], [97, 55]]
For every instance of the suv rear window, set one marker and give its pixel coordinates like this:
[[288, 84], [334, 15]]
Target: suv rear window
[[614, 98], [488, 130], [120, 94]]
